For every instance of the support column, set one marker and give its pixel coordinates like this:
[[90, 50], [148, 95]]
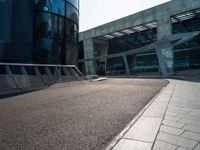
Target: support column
[[89, 53], [165, 28], [126, 66]]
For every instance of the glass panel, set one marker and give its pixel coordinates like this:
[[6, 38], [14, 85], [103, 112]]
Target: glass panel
[[48, 25], [74, 2], [58, 7], [71, 31], [55, 6], [48, 51], [41, 5], [72, 13]]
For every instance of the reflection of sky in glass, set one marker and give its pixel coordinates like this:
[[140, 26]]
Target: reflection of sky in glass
[[74, 2], [58, 7]]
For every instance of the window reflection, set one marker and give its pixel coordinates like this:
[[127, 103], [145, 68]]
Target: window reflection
[[74, 2], [72, 13], [56, 32]]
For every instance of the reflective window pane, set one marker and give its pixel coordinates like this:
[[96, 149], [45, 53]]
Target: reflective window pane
[[72, 13], [74, 2], [58, 7]]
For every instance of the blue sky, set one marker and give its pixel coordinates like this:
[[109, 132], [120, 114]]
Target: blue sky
[[96, 12]]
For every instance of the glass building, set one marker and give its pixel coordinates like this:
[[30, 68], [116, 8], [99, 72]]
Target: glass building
[[44, 32]]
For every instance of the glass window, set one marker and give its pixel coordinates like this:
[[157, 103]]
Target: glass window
[[55, 6], [74, 2], [72, 13], [58, 7], [43, 24], [41, 5], [49, 25], [48, 51]]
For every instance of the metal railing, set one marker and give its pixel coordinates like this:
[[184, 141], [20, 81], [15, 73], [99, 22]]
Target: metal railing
[[39, 69]]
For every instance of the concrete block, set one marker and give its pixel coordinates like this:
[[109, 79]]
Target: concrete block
[[23, 81], [145, 129], [171, 130], [170, 118], [131, 144], [7, 82], [177, 140], [49, 80], [157, 109], [173, 124], [197, 147], [191, 135], [190, 122], [159, 145], [69, 78], [192, 128]]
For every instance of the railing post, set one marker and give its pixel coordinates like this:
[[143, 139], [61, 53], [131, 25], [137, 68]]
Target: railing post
[[37, 72], [48, 72], [23, 70], [8, 71], [65, 71]]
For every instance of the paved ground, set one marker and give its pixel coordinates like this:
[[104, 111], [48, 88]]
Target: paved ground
[[79, 116], [171, 122]]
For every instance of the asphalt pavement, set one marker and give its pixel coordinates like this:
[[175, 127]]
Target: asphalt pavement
[[77, 116]]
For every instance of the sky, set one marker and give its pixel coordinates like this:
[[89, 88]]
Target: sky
[[97, 12]]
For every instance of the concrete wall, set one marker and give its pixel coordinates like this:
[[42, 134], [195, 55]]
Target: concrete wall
[[160, 13], [16, 84]]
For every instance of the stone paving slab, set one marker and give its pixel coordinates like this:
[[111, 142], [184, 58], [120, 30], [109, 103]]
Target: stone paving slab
[[178, 107], [130, 144], [145, 129], [160, 145]]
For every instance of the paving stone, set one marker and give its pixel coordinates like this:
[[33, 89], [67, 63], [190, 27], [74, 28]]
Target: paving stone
[[189, 117], [195, 113], [177, 140], [131, 144], [157, 109], [178, 111], [159, 145], [173, 124], [145, 129], [171, 130], [192, 128], [163, 98], [181, 148], [191, 135], [197, 147], [170, 118], [190, 122], [171, 114]]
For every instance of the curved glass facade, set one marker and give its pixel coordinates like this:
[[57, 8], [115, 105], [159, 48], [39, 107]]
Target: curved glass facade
[[56, 31]]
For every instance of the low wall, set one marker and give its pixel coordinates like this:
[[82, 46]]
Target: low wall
[[16, 84]]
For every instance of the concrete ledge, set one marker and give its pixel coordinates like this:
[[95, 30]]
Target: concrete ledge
[[28, 81], [49, 80], [7, 82]]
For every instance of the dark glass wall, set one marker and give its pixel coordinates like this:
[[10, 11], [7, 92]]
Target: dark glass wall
[[187, 55], [56, 31], [16, 31], [145, 62]]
